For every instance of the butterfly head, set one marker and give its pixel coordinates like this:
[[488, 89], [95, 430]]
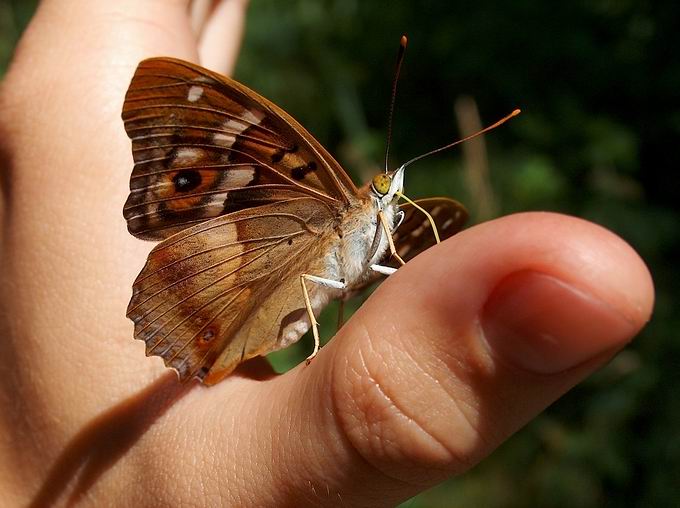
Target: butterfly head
[[385, 186]]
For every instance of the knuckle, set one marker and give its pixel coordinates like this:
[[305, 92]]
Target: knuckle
[[386, 420]]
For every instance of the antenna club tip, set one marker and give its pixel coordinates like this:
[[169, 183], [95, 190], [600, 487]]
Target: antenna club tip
[[403, 41], [516, 112]]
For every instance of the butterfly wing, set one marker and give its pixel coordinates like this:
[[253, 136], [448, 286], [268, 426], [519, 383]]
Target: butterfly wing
[[204, 145], [223, 289], [414, 235]]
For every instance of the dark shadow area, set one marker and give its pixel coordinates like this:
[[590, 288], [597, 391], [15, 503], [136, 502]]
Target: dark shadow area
[[103, 441], [257, 369]]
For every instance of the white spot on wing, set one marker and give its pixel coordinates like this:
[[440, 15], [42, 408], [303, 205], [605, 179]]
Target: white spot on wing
[[226, 140], [447, 223], [240, 176], [247, 119], [188, 156], [215, 205], [254, 117], [419, 230], [292, 333], [235, 125], [195, 93]]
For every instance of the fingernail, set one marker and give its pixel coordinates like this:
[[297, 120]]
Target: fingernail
[[544, 325]]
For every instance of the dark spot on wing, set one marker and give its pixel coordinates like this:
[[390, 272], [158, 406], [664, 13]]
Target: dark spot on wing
[[244, 198], [186, 180], [206, 337], [279, 154], [299, 172]]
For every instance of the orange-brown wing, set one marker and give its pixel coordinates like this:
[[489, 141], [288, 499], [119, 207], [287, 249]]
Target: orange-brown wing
[[415, 235], [199, 287], [204, 145]]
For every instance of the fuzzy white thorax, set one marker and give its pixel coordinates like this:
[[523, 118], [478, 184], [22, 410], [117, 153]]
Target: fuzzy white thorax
[[358, 240]]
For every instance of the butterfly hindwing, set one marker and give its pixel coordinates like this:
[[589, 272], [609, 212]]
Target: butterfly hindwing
[[205, 145], [415, 235], [201, 290]]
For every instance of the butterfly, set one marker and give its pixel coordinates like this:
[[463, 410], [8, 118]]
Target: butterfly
[[259, 226]]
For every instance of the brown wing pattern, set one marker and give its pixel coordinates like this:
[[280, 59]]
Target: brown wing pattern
[[415, 235], [200, 286], [205, 145]]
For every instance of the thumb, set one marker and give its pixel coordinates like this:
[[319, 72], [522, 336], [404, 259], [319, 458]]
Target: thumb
[[450, 356]]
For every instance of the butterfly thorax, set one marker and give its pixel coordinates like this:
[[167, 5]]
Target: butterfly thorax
[[363, 241]]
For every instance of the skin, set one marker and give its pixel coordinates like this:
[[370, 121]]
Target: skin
[[492, 326]]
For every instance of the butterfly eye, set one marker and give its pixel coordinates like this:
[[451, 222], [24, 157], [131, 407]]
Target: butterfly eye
[[381, 183]]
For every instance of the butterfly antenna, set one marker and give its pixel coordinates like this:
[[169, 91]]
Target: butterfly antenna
[[400, 58], [466, 138]]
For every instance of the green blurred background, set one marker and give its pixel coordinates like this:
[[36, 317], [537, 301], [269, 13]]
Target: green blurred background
[[599, 84]]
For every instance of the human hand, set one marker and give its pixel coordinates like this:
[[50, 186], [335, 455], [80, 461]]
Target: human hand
[[450, 356]]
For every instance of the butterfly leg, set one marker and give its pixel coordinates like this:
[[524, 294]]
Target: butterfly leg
[[386, 228], [427, 214], [384, 270], [310, 310]]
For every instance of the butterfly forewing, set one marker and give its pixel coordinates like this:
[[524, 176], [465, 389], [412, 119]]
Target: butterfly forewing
[[205, 145], [202, 291]]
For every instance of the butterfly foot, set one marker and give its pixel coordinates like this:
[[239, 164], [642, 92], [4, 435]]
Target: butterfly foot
[[309, 359]]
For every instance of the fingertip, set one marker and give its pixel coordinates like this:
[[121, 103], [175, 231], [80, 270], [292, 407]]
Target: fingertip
[[578, 252], [545, 326], [593, 259]]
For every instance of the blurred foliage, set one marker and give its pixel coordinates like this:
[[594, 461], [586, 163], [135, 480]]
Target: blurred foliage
[[599, 84]]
